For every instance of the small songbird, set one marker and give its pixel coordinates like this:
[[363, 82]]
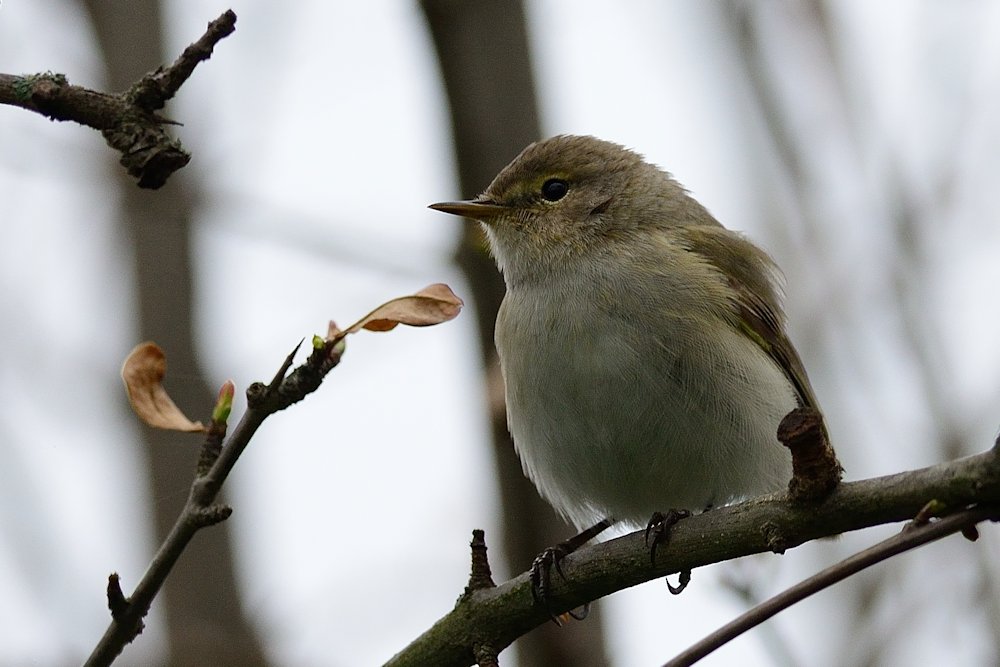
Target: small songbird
[[643, 345]]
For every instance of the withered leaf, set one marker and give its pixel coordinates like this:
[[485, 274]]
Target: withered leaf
[[432, 305], [143, 373]]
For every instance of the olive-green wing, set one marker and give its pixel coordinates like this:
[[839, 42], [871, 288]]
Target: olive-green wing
[[755, 278]]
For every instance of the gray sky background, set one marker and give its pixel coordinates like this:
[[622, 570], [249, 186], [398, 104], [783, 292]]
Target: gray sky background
[[320, 134]]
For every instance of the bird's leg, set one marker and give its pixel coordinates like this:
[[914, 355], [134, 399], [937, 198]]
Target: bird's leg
[[658, 529], [541, 567], [658, 532]]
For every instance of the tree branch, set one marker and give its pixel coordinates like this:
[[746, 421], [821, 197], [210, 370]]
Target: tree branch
[[128, 121], [200, 510], [143, 372], [915, 534], [770, 523]]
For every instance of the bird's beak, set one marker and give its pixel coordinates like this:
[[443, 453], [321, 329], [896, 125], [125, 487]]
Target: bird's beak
[[483, 210]]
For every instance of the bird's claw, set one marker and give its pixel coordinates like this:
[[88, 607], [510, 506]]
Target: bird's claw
[[682, 583], [541, 568], [658, 529], [658, 532], [541, 576]]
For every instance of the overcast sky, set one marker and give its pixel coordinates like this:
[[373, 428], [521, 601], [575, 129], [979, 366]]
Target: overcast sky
[[320, 133]]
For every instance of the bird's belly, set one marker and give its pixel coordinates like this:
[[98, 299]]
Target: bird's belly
[[609, 423]]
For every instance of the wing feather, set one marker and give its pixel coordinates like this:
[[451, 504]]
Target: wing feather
[[755, 280]]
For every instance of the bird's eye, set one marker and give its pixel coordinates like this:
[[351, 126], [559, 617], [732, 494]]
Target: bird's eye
[[554, 189]]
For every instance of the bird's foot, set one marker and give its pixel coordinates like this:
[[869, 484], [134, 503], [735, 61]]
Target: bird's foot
[[657, 533], [541, 571], [551, 558]]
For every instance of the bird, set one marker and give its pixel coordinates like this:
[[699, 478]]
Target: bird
[[643, 345]]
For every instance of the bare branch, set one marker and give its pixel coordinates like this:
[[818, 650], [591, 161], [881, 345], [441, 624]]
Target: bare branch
[[128, 121], [913, 535], [200, 510], [219, 455], [771, 523]]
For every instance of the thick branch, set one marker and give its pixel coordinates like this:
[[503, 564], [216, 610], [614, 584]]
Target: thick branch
[[770, 523], [128, 121]]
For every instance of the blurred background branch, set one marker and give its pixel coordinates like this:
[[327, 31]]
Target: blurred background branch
[[482, 49], [856, 141]]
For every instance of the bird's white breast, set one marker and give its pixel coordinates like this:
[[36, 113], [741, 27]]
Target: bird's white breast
[[610, 421]]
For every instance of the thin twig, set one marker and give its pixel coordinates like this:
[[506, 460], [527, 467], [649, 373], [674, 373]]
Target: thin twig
[[912, 536], [200, 510]]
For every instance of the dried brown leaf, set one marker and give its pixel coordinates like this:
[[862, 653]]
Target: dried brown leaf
[[432, 305], [143, 373]]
